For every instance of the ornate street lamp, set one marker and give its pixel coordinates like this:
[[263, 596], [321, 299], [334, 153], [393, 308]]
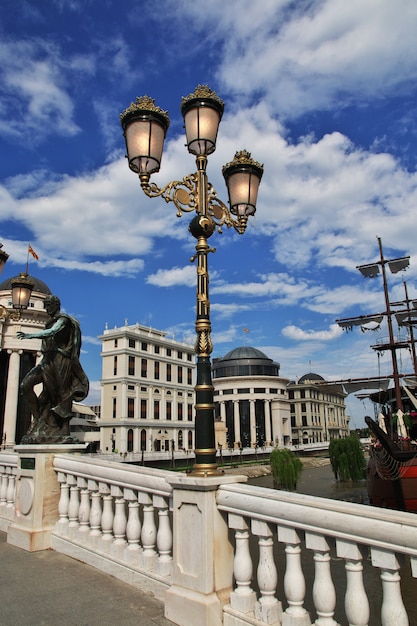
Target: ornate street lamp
[[22, 288], [145, 126]]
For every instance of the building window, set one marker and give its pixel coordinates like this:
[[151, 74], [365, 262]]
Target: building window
[[179, 354], [190, 412], [303, 407], [144, 346], [144, 368], [156, 409], [115, 366], [131, 367], [132, 343], [179, 374], [169, 375], [114, 407], [131, 407], [180, 440], [143, 409], [115, 343], [130, 440], [169, 410], [157, 349], [168, 351], [156, 370], [143, 439], [190, 439], [189, 356], [180, 414], [189, 376]]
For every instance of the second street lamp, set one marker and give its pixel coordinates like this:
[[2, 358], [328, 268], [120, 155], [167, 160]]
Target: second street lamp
[[145, 126]]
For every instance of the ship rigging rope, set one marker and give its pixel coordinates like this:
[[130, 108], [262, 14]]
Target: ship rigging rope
[[386, 466]]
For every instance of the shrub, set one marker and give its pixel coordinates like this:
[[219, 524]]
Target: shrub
[[347, 459], [286, 469]]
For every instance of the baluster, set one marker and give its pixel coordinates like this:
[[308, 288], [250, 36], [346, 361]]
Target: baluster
[[243, 597], [11, 487], [393, 611], [63, 501], [148, 534], [268, 609], [120, 519], [107, 515], [133, 526], [164, 536], [294, 581], [356, 600], [324, 593], [74, 503], [84, 510], [3, 487], [95, 510]]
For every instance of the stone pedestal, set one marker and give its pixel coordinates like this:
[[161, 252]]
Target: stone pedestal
[[37, 495], [203, 554]]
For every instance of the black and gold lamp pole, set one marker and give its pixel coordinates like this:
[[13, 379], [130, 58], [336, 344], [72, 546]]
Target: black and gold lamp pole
[[144, 126]]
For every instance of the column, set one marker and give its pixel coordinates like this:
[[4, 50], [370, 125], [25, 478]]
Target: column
[[252, 422], [236, 417], [268, 434], [12, 397]]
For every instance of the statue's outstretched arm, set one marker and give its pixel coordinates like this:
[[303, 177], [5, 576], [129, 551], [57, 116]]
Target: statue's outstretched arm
[[47, 332]]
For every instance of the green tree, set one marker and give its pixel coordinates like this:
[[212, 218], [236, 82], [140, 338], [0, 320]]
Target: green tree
[[347, 458], [286, 469]]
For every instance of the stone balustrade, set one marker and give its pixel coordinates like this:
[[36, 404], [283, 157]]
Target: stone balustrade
[[302, 540], [8, 470], [221, 552], [113, 515]]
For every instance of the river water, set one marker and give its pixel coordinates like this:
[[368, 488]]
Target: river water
[[319, 481]]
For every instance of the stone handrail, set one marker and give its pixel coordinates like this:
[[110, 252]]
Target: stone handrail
[[300, 524]]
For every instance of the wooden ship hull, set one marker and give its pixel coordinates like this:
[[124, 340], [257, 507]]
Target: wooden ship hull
[[391, 473]]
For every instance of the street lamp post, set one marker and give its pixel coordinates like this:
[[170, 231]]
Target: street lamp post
[[144, 126]]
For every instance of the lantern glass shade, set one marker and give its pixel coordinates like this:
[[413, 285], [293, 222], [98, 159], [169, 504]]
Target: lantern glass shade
[[21, 292], [202, 121], [242, 185], [145, 137]]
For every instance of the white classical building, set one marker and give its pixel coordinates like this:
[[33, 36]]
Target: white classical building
[[147, 398], [251, 400], [318, 411]]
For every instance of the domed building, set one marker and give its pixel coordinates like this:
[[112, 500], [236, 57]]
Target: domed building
[[17, 356], [251, 401], [318, 411]]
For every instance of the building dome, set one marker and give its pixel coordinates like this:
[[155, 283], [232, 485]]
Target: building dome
[[245, 361], [39, 285], [310, 378]]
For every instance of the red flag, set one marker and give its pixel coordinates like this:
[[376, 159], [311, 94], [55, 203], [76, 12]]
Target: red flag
[[32, 252]]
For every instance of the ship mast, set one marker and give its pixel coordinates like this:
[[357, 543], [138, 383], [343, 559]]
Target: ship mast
[[371, 270], [392, 344]]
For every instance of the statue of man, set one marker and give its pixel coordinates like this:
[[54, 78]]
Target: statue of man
[[60, 372]]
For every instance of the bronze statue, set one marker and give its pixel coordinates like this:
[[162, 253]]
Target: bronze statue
[[61, 375]]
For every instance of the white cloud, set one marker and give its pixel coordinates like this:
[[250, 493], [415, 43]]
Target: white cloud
[[175, 276], [298, 334]]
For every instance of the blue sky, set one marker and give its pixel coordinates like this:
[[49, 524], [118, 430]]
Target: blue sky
[[324, 93]]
